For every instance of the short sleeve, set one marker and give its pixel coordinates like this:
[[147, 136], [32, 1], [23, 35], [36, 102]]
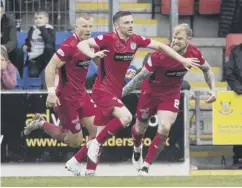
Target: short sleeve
[[102, 40], [154, 61], [197, 54], [201, 59], [142, 42], [64, 52]]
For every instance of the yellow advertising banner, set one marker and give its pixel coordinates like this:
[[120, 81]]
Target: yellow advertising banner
[[227, 119]]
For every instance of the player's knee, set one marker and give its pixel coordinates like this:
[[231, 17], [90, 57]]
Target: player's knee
[[126, 119], [164, 128], [141, 127]]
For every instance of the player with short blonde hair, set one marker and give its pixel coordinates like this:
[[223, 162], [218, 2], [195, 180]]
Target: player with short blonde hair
[[70, 99], [161, 79]]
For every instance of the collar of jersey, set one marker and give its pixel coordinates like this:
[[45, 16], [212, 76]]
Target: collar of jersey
[[74, 34], [122, 40]]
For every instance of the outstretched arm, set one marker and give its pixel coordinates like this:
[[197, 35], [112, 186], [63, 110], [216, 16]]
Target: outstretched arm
[[187, 62], [210, 79], [136, 81], [86, 45], [208, 75], [85, 48]]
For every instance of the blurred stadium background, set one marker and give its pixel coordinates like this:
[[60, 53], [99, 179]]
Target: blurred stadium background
[[216, 29]]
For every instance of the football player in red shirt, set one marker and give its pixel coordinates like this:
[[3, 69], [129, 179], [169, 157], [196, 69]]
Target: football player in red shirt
[[70, 100], [119, 48], [162, 77]]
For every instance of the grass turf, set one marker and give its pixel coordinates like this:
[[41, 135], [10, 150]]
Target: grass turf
[[121, 181]]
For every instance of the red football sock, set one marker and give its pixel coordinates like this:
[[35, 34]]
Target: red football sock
[[136, 137], [81, 154], [156, 147], [111, 128], [52, 130]]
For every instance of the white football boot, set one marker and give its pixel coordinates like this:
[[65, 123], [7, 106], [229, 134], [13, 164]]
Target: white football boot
[[74, 166], [137, 157], [34, 124]]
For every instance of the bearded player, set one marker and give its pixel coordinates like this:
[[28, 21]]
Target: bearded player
[[107, 90], [70, 100], [162, 77]]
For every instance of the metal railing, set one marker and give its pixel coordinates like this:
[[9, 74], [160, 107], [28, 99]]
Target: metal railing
[[202, 136], [60, 12]]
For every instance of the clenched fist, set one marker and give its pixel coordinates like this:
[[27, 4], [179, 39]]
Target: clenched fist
[[52, 101]]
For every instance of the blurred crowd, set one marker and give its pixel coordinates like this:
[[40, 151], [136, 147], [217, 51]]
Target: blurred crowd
[[39, 47]]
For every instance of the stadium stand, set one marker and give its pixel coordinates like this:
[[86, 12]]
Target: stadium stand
[[209, 7], [186, 7]]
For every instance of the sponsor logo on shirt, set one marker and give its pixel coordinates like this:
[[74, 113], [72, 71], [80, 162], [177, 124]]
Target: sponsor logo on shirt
[[123, 56], [83, 64], [176, 73]]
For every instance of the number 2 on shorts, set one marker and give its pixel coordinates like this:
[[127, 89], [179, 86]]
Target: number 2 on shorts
[[176, 103]]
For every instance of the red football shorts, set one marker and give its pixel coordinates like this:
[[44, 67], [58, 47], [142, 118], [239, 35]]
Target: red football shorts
[[105, 102], [148, 105], [71, 112]]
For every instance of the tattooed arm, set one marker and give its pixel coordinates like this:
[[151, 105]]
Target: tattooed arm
[[136, 81], [208, 75], [210, 79]]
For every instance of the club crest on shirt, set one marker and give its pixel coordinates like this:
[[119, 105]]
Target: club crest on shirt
[[133, 45], [78, 126], [100, 37]]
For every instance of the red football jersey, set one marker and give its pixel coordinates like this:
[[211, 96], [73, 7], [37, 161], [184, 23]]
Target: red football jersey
[[113, 67], [168, 73], [72, 74]]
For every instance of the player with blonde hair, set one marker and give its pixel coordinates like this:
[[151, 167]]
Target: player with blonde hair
[[161, 79], [70, 99]]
